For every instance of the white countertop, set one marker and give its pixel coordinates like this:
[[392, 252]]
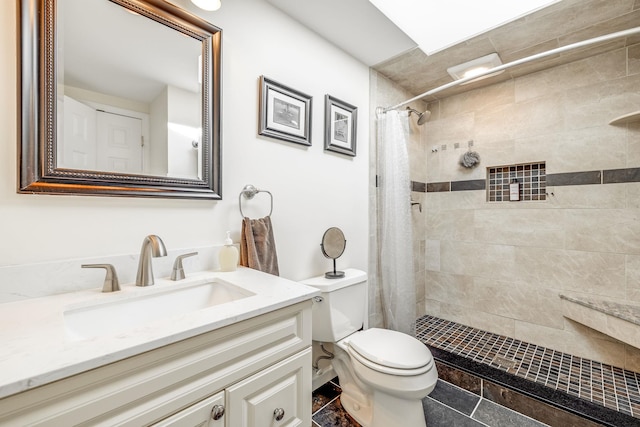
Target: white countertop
[[36, 349]]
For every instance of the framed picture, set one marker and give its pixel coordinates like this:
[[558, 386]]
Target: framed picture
[[285, 113], [340, 126]]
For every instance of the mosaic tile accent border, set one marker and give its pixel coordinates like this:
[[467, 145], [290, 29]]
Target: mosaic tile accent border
[[610, 176], [595, 382]]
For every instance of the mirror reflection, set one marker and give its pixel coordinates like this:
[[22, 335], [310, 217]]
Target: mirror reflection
[[128, 100], [118, 97]]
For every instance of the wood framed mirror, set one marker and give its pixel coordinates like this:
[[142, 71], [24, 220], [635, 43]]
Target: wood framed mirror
[[118, 98]]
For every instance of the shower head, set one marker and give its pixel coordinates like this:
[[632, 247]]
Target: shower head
[[422, 117]]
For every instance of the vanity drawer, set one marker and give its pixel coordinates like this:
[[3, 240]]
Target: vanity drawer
[[151, 386], [279, 395]]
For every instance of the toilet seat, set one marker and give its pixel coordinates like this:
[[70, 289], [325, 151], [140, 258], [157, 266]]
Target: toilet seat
[[390, 352]]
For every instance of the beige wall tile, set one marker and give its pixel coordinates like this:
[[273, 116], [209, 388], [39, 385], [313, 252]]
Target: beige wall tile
[[446, 288], [594, 273], [478, 100], [585, 316], [584, 150], [552, 82], [585, 342], [432, 307], [633, 144], [611, 196], [632, 358], [433, 255], [540, 335], [632, 278], [521, 227], [626, 332], [597, 104], [603, 230], [485, 321], [450, 225], [462, 200], [633, 58], [519, 301], [476, 259]]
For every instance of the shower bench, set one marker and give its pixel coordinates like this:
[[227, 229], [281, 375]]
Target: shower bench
[[620, 320]]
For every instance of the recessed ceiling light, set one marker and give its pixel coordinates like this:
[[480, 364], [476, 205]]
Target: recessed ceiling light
[[476, 67]]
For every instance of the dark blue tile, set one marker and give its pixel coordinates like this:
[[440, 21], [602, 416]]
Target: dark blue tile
[[499, 416], [455, 397], [439, 415]]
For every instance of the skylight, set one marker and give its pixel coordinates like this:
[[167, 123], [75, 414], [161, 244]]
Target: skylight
[[437, 24]]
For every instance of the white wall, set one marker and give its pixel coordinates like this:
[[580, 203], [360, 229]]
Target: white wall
[[313, 190]]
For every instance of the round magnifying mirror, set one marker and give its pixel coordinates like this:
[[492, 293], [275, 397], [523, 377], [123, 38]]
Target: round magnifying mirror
[[333, 245]]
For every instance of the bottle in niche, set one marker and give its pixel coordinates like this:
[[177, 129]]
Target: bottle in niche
[[228, 256], [514, 190]]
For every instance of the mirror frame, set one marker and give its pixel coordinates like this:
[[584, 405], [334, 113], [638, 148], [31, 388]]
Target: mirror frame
[[37, 110]]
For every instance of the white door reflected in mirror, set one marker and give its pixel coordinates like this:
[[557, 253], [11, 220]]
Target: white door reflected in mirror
[[121, 93]]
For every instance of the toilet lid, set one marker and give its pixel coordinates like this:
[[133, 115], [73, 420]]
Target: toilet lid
[[391, 349]]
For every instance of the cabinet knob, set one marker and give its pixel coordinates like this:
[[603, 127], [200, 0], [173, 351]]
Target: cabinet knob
[[217, 412], [278, 414]]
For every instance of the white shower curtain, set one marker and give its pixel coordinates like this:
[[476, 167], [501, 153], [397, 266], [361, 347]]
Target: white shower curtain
[[395, 240]]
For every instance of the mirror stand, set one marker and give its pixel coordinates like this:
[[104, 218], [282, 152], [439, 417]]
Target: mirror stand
[[332, 245], [334, 274]]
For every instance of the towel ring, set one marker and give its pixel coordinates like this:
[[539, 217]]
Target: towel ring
[[249, 191]]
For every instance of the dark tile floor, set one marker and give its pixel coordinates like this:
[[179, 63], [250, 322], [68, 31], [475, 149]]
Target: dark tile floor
[[446, 406]]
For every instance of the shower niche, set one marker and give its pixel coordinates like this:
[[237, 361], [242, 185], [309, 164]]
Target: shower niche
[[527, 180]]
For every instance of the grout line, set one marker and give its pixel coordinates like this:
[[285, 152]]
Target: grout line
[[475, 408], [461, 413], [326, 404]]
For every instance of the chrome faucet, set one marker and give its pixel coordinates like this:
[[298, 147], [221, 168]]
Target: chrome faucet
[[152, 245]]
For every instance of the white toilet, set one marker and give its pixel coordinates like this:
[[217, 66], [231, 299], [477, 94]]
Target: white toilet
[[384, 374]]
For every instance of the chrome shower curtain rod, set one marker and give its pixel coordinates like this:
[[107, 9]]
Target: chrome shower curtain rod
[[595, 40]]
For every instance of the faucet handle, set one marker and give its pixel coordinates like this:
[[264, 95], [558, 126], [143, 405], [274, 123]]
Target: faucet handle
[[178, 271], [111, 283]]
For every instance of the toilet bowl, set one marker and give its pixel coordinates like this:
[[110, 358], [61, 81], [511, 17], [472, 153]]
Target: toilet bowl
[[384, 374]]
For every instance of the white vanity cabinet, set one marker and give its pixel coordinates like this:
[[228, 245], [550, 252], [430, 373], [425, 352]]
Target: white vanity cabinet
[[208, 413], [256, 369], [276, 396]]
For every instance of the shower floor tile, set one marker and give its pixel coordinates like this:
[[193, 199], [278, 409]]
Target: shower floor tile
[[596, 382]]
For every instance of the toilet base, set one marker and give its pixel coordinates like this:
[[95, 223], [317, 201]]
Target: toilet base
[[390, 411]]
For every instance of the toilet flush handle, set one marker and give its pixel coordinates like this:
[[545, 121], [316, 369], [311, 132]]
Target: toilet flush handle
[[318, 299]]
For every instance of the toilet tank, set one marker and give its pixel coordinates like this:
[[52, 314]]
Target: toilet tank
[[340, 309]]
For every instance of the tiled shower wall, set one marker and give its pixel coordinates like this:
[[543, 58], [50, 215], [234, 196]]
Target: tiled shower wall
[[500, 266]]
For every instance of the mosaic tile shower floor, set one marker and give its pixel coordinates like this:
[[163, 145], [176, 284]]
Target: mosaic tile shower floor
[[606, 385]]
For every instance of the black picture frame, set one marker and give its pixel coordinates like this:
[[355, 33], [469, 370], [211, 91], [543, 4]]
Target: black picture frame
[[341, 119], [285, 113]]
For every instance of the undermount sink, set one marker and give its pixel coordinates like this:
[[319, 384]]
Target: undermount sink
[[130, 312]]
